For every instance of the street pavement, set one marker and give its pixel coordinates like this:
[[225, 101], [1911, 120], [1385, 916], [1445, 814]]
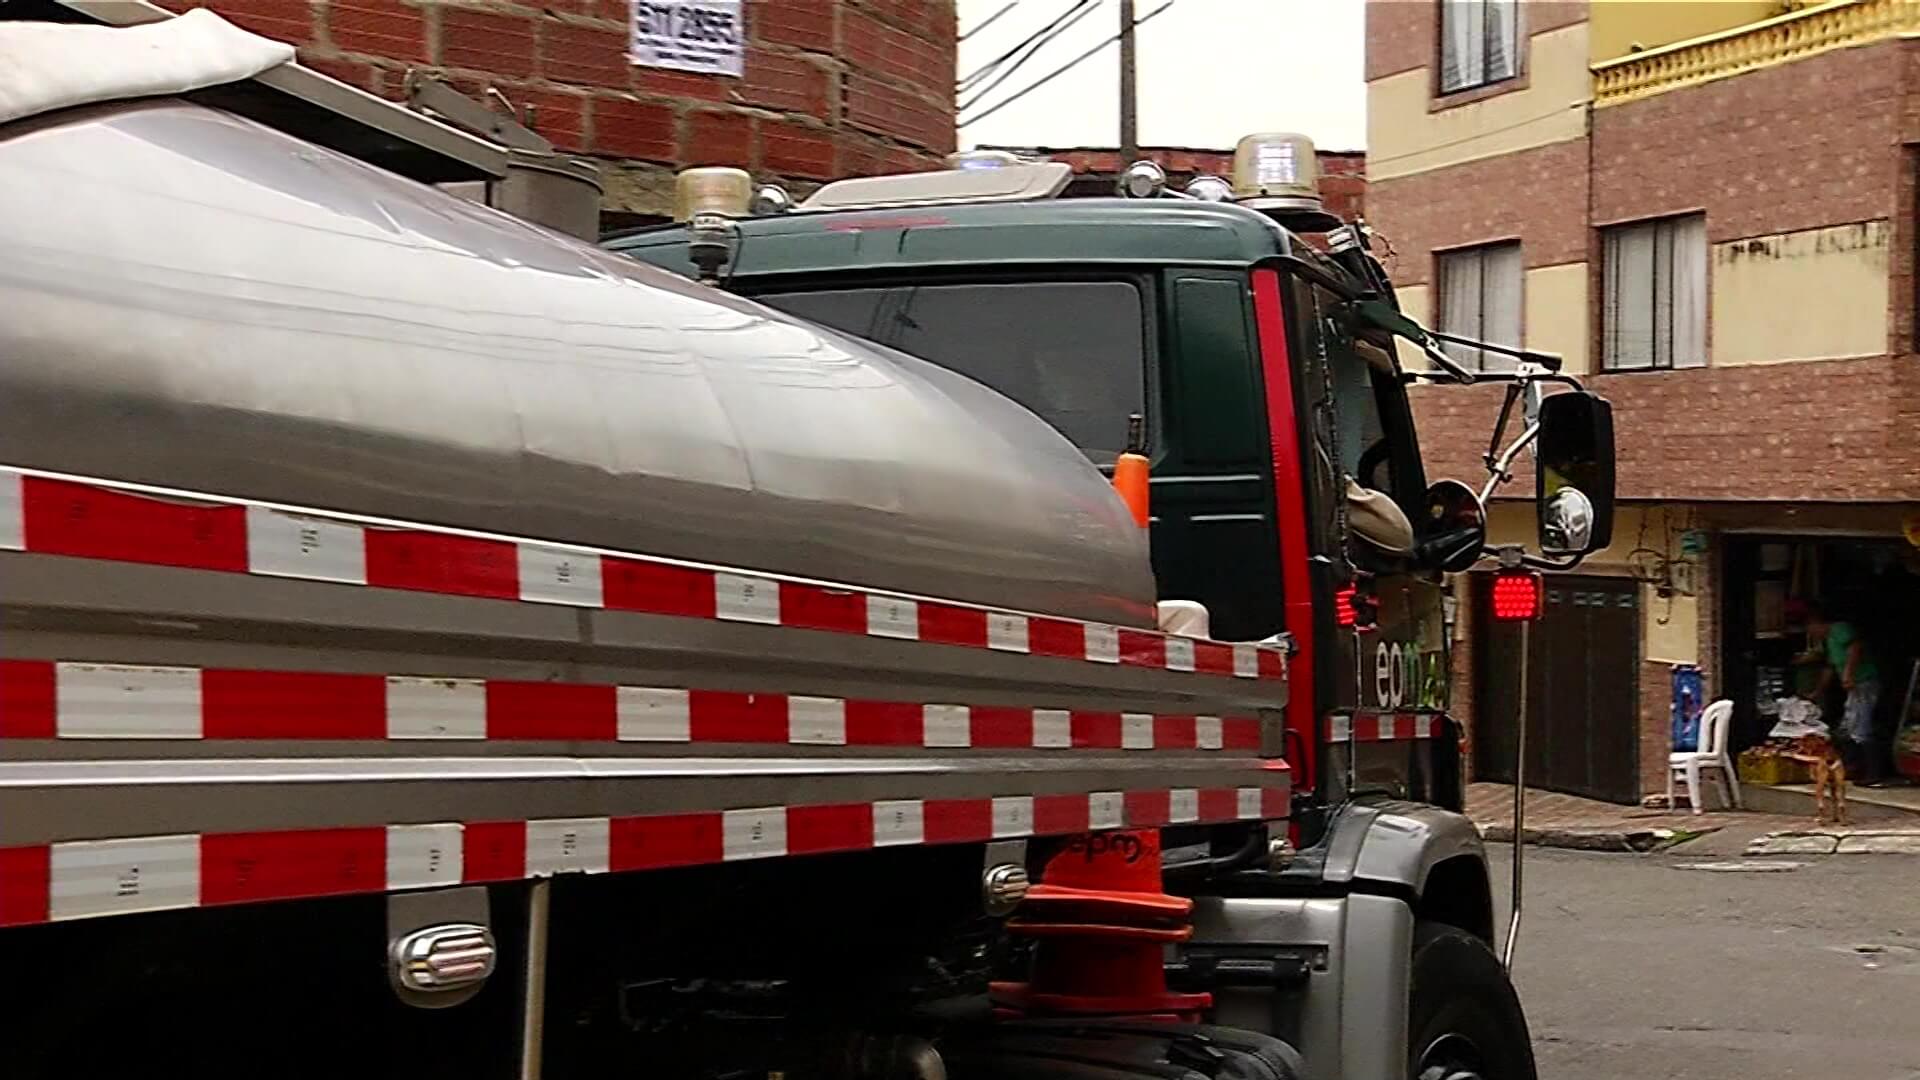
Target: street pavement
[[1697, 964]]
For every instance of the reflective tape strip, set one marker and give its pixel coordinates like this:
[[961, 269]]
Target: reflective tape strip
[[892, 617], [1208, 733], [899, 821], [816, 721], [120, 877], [423, 856], [553, 575], [946, 725], [100, 519], [83, 700], [1052, 729], [118, 701], [1103, 644], [13, 517], [1246, 661], [646, 714], [426, 708], [1012, 816], [759, 833], [568, 846], [1006, 633], [89, 878], [1371, 727], [314, 549], [1107, 810], [1250, 803], [1179, 654], [746, 598]]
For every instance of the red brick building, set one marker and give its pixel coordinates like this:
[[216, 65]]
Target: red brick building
[[831, 88], [1710, 210]]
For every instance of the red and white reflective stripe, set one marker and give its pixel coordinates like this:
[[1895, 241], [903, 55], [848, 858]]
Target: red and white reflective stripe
[[96, 519], [46, 699], [1385, 727], [87, 878]]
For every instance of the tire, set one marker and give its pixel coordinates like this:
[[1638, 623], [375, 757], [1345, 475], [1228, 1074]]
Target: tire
[[1464, 1021]]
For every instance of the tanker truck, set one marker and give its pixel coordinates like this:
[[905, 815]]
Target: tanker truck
[[432, 645]]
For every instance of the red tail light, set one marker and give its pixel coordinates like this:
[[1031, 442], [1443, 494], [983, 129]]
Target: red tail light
[[1516, 596], [1344, 612]]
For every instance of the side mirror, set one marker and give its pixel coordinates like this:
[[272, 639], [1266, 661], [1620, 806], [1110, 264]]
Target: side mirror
[[1454, 532], [1574, 481]]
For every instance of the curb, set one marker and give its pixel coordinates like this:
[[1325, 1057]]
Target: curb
[[1627, 840], [1838, 842]]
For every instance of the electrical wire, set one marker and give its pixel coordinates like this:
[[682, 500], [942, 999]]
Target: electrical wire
[[987, 69], [1085, 9], [1061, 70], [1011, 4]]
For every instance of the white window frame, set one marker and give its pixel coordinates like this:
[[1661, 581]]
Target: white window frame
[[1481, 294], [1654, 297], [1480, 43]]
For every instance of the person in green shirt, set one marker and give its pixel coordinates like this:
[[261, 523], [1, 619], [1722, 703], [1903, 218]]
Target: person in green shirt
[[1846, 656]]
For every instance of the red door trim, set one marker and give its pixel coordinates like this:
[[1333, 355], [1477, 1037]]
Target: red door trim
[[1290, 503]]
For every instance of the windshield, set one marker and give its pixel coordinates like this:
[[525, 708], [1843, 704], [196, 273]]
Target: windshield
[[1071, 351]]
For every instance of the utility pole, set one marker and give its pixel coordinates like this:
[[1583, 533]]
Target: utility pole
[[1129, 121]]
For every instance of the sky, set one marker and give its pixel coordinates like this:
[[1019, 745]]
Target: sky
[[1209, 72]]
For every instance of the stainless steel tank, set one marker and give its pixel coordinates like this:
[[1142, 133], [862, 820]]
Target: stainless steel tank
[[190, 299]]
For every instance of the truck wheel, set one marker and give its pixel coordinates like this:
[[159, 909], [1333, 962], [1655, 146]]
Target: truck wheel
[[1464, 1021]]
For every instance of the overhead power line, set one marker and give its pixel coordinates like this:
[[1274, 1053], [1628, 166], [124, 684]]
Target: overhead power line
[[1061, 70], [1085, 9], [990, 20], [987, 69]]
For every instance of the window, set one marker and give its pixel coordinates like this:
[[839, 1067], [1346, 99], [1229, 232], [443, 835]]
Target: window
[[1481, 292], [1655, 295], [1479, 43], [1072, 351]]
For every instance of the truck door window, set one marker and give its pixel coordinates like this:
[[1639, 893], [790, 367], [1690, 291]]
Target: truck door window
[[1072, 351]]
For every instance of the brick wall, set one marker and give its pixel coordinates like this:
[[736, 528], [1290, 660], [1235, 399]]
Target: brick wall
[[1401, 33], [1536, 196], [1829, 430], [832, 87], [1809, 143]]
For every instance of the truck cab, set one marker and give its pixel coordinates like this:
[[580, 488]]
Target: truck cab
[[1286, 473]]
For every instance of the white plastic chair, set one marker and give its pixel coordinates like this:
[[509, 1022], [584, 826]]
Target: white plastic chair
[[1715, 725]]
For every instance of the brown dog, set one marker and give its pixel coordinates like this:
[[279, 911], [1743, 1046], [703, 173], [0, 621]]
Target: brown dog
[[1829, 776]]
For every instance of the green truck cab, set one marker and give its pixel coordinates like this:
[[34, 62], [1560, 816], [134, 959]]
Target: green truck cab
[[1275, 410], [1252, 342]]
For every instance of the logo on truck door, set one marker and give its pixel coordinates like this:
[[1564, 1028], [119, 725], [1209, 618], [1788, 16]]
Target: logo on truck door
[[1406, 678]]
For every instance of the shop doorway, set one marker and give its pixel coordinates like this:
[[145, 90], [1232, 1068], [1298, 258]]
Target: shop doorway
[[1583, 730], [1872, 583]]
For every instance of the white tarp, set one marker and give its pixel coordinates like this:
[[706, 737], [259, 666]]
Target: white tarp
[[48, 66]]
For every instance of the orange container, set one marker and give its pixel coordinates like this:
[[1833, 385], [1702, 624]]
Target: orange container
[[1130, 473]]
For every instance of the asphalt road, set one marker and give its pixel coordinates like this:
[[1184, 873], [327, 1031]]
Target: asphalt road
[[1637, 966]]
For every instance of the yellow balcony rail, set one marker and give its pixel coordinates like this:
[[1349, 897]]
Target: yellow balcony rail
[[1810, 31]]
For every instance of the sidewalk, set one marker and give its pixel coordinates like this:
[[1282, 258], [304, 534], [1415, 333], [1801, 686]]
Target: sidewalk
[[1557, 820]]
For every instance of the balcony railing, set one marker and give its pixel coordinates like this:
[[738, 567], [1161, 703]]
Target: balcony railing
[[1817, 29]]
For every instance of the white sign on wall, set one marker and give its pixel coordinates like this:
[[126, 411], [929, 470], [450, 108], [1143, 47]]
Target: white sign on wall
[[707, 36]]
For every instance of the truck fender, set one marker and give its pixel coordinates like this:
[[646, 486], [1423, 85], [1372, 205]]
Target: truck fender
[[1433, 858]]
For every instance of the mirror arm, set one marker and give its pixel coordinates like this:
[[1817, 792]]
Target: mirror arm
[[1550, 361], [1500, 429], [1502, 469], [1541, 562]]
